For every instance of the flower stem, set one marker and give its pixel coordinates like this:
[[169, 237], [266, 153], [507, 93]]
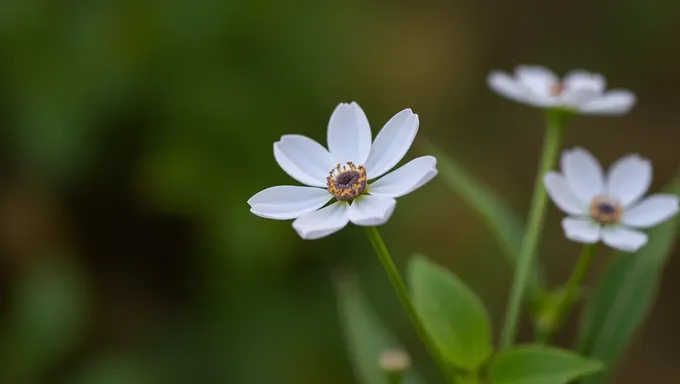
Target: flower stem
[[395, 377], [402, 293], [551, 145], [570, 293]]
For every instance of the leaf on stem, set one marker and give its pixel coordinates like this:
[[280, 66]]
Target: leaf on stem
[[451, 313], [535, 364]]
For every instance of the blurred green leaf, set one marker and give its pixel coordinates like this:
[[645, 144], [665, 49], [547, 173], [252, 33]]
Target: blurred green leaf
[[499, 218], [49, 310], [365, 337], [452, 314], [534, 364], [624, 296], [114, 370]]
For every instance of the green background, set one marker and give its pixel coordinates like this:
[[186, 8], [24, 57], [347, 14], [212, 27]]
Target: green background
[[133, 132]]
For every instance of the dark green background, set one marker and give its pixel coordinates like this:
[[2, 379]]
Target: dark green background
[[134, 131]]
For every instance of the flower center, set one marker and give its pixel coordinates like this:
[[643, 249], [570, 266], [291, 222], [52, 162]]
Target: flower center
[[556, 89], [605, 210], [347, 182]]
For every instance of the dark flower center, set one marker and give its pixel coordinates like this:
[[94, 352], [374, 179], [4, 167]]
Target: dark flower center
[[346, 179], [556, 89], [606, 210], [347, 182]]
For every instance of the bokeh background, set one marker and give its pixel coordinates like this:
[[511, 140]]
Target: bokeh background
[[134, 131]]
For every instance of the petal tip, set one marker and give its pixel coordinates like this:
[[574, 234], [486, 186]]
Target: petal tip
[[304, 235], [355, 106], [549, 176]]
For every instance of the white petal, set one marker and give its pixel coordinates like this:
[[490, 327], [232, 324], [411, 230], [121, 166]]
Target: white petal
[[581, 230], [349, 134], [561, 194], [580, 79], [616, 102], [538, 79], [371, 210], [629, 178], [577, 97], [323, 222], [288, 202], [407, 178], [304, 159], [651, 211], [624, 239], [507, 86], [392, 143], [583, 173]]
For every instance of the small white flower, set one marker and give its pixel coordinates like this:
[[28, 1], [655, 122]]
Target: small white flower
[[343, 173], [607, 207], [579, 91]]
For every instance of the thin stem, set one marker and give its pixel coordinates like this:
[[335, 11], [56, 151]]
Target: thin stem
[[570, 292], [551, 145], [402, 293], [395, 377]]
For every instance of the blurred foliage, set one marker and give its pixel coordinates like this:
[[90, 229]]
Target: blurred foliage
[[366, 337], [133, 132], [624, 296], [47, 312]]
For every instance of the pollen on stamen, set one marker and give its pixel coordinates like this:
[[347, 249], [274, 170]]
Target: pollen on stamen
[[556, 89], [347, 182], [606, 210]]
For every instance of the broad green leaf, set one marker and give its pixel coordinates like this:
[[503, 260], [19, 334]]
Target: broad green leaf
[[452, 314], [505, 225], [366, 338], [624, 296], [535, 364]]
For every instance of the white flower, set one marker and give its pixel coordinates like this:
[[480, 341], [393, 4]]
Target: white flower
[[579, 91], [343, 173], [607, 207]]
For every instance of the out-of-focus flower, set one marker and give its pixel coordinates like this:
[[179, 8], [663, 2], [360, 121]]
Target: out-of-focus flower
[[607, 207], [394, 360], [579, 91]]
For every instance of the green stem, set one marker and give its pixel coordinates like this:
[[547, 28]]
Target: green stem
[[402, 293], [570, 292], [551, 145], [395, 377]]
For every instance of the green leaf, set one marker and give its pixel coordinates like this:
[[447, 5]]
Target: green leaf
[[114, 369], [624, 296], [535, 364], [452, 314], [505, 225], [366, 338]]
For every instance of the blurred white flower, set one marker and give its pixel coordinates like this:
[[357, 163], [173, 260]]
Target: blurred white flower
[[343, 173], [394, 360], [579, 91], [607, 207]]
